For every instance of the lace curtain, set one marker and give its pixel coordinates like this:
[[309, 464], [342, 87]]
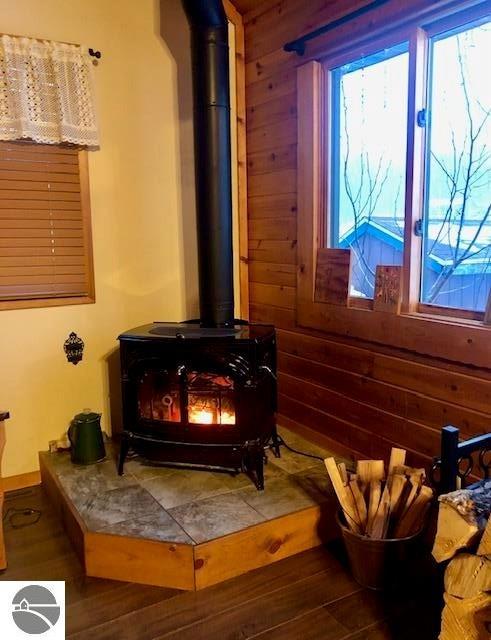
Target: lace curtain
[[46, 92]]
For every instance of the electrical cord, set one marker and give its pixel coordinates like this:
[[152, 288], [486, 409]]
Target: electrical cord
[[281, 441], [14, 517]]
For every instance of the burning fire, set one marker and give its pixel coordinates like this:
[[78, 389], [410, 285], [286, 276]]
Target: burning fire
[[200, 415], [227, 417]]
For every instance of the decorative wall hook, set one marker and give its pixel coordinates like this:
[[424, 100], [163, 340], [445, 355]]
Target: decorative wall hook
[[74, 348], [96, 56]]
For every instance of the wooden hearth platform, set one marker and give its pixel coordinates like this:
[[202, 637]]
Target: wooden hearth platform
[[189, 529]]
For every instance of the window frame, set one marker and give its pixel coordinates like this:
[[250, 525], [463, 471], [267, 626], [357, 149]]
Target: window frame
[[459, 20], [57, 301], [331, 67], [460, 338], [419, 39]]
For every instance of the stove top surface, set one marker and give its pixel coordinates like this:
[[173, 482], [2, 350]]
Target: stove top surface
[[193, 331]]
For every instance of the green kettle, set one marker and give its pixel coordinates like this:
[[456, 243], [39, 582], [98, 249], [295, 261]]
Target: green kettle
[[85, 435]]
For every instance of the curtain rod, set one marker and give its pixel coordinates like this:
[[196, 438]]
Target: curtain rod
[[298, 45], [92, 52]]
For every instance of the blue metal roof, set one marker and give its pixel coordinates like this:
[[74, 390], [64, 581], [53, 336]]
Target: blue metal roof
[[391, 230]]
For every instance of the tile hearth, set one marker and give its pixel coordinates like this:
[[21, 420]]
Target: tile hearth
[[199, 520], [185, 505]]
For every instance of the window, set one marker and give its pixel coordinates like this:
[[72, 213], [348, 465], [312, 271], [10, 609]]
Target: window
[[370, 175], [368, 151], [457, 222], [45, 239]]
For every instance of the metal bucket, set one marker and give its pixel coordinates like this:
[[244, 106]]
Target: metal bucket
[[379, 563]]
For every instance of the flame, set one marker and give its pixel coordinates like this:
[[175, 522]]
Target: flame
[[201, 416], [208, 416], [227, 417]]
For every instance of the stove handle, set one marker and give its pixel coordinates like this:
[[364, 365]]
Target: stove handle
[[270, 371]]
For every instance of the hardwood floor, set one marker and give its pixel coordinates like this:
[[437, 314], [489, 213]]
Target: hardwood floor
[[310, 596]]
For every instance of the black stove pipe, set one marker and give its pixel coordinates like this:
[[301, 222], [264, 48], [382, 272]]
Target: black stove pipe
[[211, 89]]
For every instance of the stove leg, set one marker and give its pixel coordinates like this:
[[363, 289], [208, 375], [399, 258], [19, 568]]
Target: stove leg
[[275, 443], [260, 472], [253, 463], [257, 464], [123, 452]]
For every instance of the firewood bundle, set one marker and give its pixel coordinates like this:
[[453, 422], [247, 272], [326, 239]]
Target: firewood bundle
[[377, 504], [464, 537]]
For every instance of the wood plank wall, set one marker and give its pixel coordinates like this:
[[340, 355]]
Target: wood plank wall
[[359, 397]]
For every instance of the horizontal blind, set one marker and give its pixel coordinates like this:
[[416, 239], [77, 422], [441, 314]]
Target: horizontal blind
[[43, 252]]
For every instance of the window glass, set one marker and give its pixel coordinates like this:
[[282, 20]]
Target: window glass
[[456, 269], [368, 162]]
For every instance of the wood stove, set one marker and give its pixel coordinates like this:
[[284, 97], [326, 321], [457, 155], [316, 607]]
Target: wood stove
[[204, 393], [200, 396]]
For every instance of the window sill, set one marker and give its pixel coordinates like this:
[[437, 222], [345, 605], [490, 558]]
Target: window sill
[[444, 320], [428, 312], [357, 302], [453, 315], [10, 305]]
